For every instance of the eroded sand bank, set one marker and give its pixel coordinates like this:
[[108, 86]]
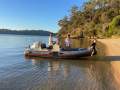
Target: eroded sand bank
[[112, 46], [112, 49]]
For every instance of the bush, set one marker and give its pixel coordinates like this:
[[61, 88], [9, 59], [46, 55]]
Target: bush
[[114, 26]]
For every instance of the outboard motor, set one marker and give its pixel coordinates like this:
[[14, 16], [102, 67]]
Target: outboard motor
[[43, 45]]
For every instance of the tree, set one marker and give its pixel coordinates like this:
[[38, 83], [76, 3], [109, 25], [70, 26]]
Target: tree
[[115, 24], [94, 18]]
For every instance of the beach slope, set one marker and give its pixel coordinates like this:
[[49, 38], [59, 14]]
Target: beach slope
[[112, 46]]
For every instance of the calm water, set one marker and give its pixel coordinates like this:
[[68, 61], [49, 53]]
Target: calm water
[[19, 73]]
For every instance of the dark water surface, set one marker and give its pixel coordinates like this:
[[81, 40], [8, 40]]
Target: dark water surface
[[19, 73]]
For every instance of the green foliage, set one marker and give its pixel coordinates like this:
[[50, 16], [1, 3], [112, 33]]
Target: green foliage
[[114, 26]]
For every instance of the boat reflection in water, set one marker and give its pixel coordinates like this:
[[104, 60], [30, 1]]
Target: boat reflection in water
[[96, 74]]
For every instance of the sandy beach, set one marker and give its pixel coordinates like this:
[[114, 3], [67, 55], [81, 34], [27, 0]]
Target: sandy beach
[[112, 46]]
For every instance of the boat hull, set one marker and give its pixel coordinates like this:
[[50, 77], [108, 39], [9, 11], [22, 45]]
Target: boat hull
[[65, 54]]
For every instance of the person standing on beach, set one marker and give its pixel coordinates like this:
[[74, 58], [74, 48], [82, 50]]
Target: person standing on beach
[[93, 45], [68, 41]]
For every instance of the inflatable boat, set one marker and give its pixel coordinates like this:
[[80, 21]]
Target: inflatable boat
[[40, 50]]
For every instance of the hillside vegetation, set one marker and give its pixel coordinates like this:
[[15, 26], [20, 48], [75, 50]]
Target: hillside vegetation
[[25, 32], [97, 18]]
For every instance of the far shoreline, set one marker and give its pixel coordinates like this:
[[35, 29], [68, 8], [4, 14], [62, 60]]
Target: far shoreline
[[26, 32], [23, 35]]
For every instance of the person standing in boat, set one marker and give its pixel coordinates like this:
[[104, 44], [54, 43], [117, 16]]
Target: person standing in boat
[[50, 42], [57, 40], [68, 42]]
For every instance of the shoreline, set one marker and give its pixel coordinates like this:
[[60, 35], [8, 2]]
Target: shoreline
[[112, 48]]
